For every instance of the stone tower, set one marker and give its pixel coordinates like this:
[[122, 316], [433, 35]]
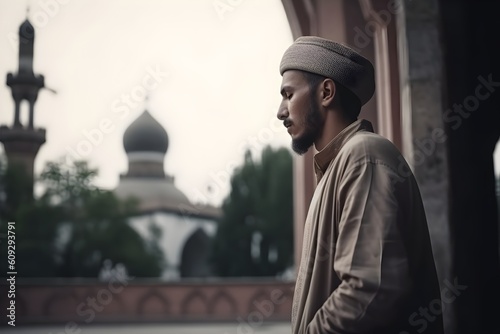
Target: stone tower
[[22, 141]]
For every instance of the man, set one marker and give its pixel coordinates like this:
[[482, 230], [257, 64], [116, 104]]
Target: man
[[367, 264]]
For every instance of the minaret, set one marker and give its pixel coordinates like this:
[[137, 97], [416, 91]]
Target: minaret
[[22, 142]]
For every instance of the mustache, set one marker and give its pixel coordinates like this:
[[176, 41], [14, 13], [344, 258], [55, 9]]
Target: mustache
[[287, 123]]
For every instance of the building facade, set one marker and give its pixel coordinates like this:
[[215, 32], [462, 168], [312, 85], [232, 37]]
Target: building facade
[[185, 229]]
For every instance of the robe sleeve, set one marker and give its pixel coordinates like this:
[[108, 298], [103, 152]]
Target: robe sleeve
[[370, 257]]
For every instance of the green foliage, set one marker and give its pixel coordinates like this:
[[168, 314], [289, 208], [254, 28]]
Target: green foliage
[[259, 206], [18, 186], [74, 226]]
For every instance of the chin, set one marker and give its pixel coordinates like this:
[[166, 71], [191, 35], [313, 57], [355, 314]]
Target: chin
[[300, 147], [302, 143]]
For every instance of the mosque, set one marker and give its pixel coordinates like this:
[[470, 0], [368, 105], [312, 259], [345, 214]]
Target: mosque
[[186, 228]]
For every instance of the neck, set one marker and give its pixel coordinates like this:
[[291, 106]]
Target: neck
[[333, 125]]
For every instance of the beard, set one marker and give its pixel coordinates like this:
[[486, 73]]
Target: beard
[[302, 144]]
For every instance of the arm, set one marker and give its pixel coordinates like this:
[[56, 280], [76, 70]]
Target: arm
[[370, 256]]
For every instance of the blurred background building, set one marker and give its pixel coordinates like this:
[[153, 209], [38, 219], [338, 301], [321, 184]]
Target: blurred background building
[[185, 228], [21, 142], [437, 99]]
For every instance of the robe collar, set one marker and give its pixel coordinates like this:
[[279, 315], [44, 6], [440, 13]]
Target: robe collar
[[323, 158]]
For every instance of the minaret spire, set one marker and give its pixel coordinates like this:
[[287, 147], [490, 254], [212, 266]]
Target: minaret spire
[[22, 142], [25, 84]]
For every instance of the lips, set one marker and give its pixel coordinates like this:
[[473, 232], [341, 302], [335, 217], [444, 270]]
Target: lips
[[288, 124]]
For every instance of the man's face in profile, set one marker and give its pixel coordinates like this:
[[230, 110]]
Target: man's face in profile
[[299, 111]]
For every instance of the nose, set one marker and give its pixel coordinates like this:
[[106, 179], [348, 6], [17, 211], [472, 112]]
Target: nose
[[282, 113]]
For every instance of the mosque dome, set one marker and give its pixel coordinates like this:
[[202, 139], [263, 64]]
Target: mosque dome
[[145, 134]]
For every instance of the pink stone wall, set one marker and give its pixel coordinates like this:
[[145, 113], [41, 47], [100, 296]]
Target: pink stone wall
[[136, 301]]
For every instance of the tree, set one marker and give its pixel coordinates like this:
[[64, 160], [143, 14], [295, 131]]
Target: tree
[[73, 227], [255, 234]]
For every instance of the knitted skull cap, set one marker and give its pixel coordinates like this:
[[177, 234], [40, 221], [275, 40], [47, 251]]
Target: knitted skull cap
[[332, 60]]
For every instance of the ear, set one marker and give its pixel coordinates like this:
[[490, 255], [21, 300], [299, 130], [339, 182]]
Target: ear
[[328, 91]]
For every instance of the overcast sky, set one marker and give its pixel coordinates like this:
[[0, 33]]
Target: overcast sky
[[210, 67]]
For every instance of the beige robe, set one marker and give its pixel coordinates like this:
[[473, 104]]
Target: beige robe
[[367, 263]]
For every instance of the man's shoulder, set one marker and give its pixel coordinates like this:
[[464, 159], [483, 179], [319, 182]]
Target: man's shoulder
[[369, 143], [369, 146]]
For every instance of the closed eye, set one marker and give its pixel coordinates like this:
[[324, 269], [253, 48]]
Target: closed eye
[[287, 95], [285, 92]]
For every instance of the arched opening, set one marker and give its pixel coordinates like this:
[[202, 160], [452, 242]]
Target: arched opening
[[24, 112], [195, 255]]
